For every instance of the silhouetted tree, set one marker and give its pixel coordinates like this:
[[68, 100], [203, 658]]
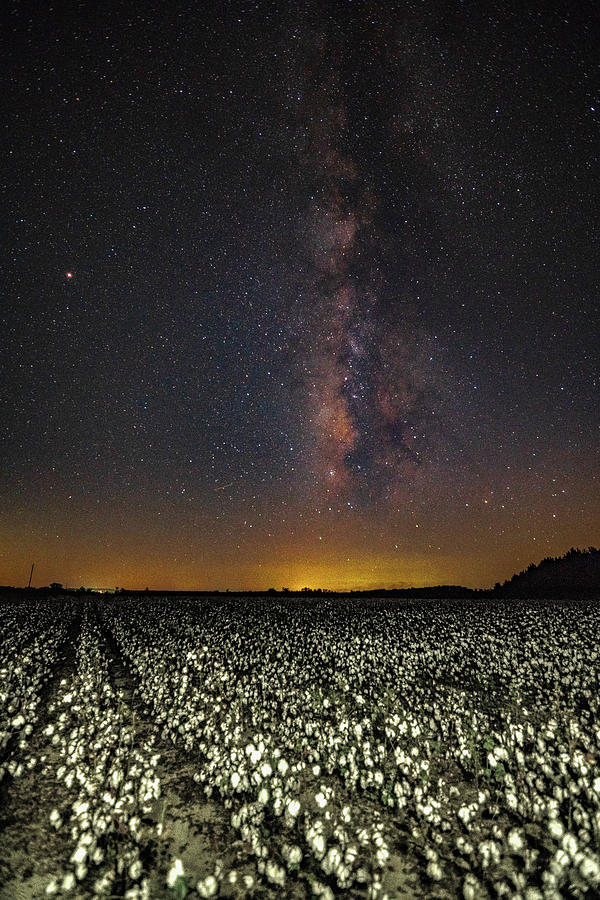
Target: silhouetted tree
[[578, 571]]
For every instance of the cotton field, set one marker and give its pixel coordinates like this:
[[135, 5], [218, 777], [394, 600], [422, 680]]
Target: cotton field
[[294, 747]]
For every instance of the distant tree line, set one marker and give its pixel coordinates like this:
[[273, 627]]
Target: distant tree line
[[578, 571]]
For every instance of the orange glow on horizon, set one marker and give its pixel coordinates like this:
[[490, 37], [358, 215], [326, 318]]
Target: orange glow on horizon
[[82, 541], [368, 573]]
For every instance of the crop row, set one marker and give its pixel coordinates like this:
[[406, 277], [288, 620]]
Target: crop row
[[107, 780], [30, 651]]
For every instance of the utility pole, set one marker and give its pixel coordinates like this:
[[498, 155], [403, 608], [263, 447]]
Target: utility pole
[[30, 574]]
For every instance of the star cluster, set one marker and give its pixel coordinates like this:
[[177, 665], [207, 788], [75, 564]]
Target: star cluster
[[298, 295]]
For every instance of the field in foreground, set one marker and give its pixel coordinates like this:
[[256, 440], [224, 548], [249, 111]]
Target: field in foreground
[[293, 748]]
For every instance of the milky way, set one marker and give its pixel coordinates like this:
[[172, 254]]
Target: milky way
[[371, 383]]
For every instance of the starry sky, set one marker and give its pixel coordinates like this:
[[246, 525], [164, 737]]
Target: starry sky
[[297, 294]]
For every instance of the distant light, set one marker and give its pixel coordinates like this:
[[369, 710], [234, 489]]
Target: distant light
[[69, 274]]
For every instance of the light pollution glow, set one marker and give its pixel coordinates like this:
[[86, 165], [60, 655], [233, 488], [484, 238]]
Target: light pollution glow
[[136, 566]]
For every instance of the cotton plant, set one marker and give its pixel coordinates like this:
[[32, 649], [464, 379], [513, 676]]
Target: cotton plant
[[468, 730], [391, 757]]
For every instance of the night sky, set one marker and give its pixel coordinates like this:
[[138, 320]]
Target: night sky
[[298, 294]]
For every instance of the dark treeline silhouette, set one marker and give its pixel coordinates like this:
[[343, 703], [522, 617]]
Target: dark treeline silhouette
[[577, 572]]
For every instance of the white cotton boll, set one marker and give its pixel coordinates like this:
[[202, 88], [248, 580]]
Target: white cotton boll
[[382, 856], [265, 770], [318, 845], [208, 887], [556, 829], [79, 855], [293, 807], [52, 888], [515, 841], [175, 872], [135, 870], [362, 875], [320, 800], [552, 809], [590, 870], [560, 860], [363, 837], [282, 767], [294, 855], [351, 854], [80, 871], [434, 870], [68, 882], [569, 844], [235, 780], [332, 859], [470, 887], [275, 873], [263, 796]]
